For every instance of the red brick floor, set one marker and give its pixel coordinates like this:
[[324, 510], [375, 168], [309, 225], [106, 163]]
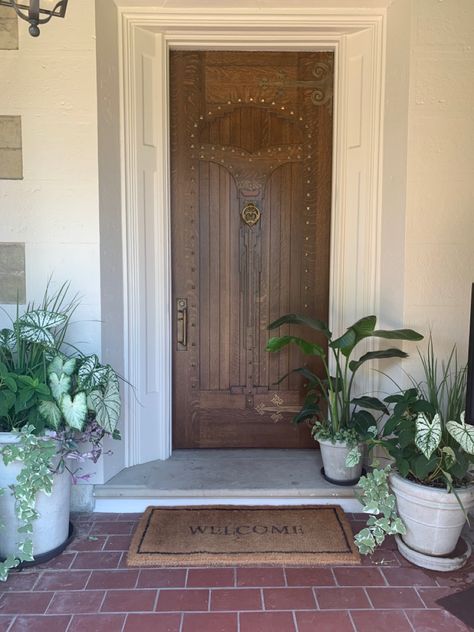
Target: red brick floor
[[89, 588]]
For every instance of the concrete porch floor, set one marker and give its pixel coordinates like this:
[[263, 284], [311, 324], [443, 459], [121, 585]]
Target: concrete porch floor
[[224, 477]]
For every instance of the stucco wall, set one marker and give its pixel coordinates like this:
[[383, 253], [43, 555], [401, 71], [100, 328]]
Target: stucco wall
[[50, 82], [440, 193]]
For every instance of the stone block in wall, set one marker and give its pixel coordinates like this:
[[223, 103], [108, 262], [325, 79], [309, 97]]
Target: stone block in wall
[[8, 29], [11, 158], [12, 273]]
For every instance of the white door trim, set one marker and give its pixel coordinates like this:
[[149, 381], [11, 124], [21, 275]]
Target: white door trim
[[358, 40]]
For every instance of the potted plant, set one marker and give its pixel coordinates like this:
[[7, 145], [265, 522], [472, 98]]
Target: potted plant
[[53, 401], [433, 450], [345, 421]]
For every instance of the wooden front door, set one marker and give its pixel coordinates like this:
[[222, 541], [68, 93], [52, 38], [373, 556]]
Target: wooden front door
[[251, 150]]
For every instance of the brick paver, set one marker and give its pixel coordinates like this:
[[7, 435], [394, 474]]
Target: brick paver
[[89, 587]]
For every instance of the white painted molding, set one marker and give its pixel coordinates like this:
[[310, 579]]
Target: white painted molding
[[357, 38]]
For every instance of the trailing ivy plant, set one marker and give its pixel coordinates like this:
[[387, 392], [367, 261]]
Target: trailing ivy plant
[[378, 501], [36, 455]]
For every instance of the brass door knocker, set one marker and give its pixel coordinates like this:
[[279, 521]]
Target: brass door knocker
[[250, 214]]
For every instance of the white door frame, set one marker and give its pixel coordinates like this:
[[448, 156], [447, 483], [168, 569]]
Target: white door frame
[[146, 35]]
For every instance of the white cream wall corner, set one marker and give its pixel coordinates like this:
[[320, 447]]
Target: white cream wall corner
[[54, 210], [440, 198], [50, 83]]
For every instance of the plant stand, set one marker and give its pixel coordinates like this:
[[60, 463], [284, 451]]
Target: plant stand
[[445, 563]]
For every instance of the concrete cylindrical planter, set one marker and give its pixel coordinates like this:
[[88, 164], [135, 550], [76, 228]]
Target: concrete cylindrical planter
[[334, 456], [433, 517], [51, 529]]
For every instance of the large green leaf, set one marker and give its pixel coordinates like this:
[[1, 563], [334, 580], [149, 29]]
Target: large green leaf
[[365, 326], [428, 434], [7, 400], [59, 385], [74, 410], [51, 413], [106, 403], [34, 326], [422, 467], [298, 319], [377, 355], [60, 365], [306, 413], [355, 333], [346, 342], [362, 421], [9, 382], [373, 403], [91, 373], [7, 339], [463, 433], [308, 375], [397, 334], [309, 348]]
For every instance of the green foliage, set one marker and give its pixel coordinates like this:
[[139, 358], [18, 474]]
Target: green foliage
[[36, 475], [377, 500], [426, 433], [25, 351], [45, 391], [344, 415], [42, 386], [20, 397]]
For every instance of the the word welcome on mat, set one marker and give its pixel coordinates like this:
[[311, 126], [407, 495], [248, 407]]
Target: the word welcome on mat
[[195, 536]]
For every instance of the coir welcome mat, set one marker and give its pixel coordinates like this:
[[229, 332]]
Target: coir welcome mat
[[223, 535]]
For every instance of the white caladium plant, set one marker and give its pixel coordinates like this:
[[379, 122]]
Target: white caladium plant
[[428, 434], [83, 389], [462, 433]]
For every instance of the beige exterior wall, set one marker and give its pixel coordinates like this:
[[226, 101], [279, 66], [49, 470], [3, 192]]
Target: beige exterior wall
[[50, 82], [440, 171]]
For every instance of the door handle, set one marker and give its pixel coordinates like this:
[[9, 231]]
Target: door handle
[[182, 323]]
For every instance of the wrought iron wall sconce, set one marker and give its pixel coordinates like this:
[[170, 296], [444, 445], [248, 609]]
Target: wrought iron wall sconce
[[37, 12]]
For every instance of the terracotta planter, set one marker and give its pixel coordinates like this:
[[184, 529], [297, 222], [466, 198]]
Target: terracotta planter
[[334, 456], [51, 529], [433, 517]]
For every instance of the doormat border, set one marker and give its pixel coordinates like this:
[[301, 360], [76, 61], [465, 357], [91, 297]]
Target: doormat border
[[136, 557]]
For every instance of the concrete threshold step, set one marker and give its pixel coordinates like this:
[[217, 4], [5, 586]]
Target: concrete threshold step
[[225, 477]]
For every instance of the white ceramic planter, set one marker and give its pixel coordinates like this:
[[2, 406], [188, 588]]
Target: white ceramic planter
[[433, 517], [51, 529], [334, 456]]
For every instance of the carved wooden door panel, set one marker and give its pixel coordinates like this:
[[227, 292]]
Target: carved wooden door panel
[[251, 150]]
